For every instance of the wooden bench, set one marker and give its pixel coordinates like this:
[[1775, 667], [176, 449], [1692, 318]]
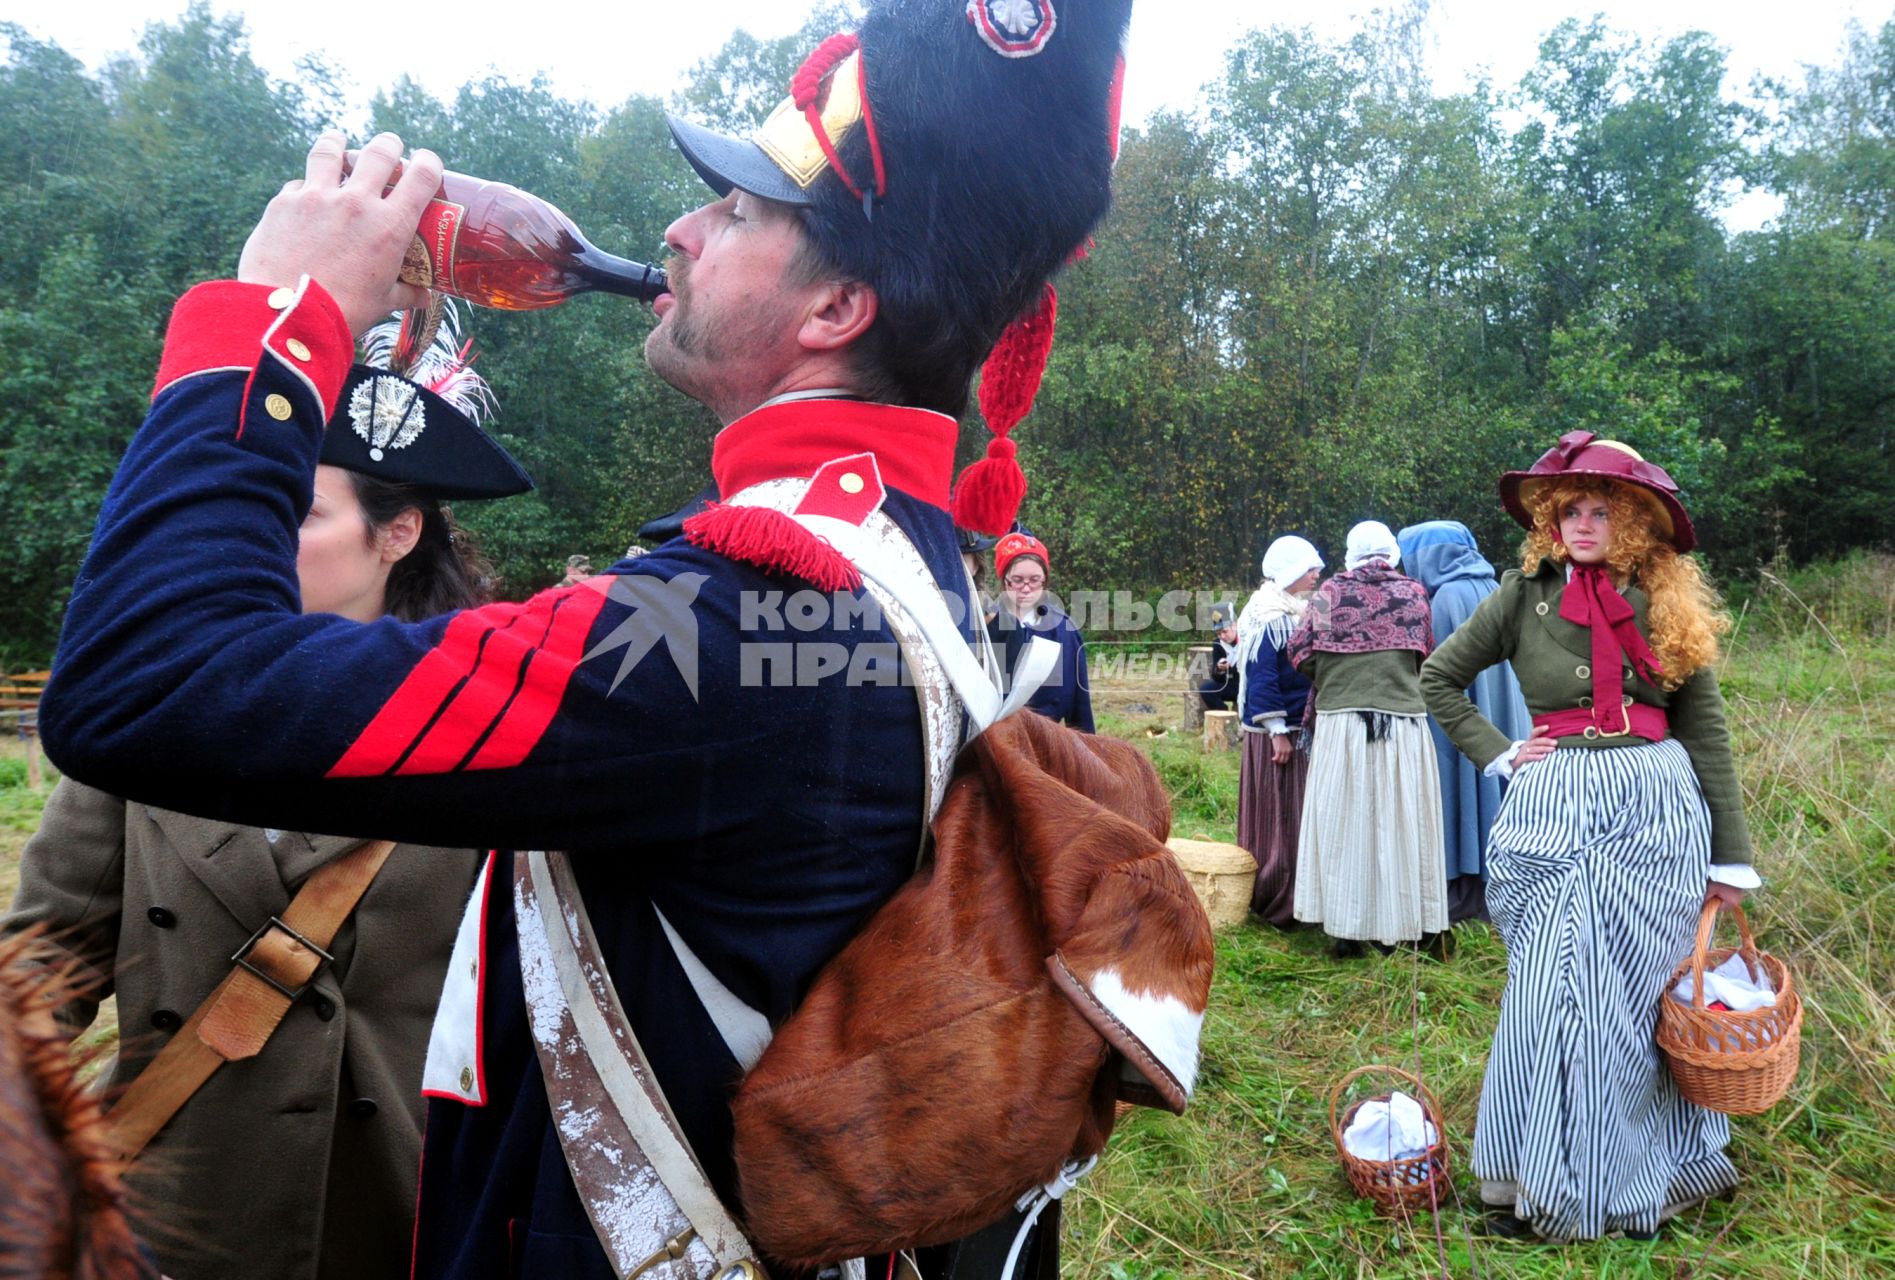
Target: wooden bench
[[19, 698]]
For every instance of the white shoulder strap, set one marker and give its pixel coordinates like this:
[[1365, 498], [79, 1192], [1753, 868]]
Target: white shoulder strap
[[924, 604]]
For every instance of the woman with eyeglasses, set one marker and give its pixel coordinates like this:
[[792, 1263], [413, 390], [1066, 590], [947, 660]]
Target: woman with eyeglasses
[[1026, 610]]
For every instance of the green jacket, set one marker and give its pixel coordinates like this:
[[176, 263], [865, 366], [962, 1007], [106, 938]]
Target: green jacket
[[1521, 624]]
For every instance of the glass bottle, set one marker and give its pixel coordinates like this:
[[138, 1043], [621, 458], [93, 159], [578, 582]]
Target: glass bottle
[[499, 246]]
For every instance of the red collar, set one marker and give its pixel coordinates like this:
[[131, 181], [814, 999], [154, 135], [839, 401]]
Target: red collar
[[914, 448]]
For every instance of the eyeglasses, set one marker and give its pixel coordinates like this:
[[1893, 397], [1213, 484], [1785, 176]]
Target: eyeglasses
[[1024, 582]]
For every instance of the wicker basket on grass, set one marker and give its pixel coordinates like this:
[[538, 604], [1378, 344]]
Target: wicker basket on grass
[[1418, 1184], [1739, 1063]]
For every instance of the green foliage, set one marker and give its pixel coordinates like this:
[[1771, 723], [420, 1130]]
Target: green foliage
[[1329, 294]]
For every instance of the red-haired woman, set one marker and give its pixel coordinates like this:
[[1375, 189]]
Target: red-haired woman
[[1623, 816]]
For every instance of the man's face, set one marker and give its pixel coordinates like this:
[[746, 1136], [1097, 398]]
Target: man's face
[[727, 331]]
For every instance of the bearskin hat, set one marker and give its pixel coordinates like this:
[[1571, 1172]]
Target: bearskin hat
[[953, 155]]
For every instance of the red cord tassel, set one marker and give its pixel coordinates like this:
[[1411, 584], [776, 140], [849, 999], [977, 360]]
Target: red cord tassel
[[774, 543], [987, 497]]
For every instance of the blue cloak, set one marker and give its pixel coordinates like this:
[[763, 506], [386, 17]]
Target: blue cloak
[[1442, 556]]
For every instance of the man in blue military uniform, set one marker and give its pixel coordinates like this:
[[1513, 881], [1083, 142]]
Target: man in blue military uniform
[[757, 800]]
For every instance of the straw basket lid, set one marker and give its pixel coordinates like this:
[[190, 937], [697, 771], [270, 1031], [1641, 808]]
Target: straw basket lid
[[1581, 454]]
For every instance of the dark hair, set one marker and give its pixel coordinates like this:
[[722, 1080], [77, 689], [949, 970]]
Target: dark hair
[[444, 572], [915, 353]]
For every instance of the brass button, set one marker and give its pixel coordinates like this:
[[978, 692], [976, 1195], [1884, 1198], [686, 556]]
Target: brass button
[[851, 482], [298, 348], [467, 1079], [1590, 731], [1586, 701], [280, 298], [278, 407], [1583, 671], [1628, 700], [1541, 608]]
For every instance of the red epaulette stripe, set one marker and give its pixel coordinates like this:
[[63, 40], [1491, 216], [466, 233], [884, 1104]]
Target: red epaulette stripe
[[548, 672], [393, 730], [482, 698]]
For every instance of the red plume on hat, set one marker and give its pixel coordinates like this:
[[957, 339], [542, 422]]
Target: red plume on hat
[[988, 494]]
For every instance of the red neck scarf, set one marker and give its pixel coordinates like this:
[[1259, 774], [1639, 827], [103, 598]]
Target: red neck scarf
[[1591, 601]]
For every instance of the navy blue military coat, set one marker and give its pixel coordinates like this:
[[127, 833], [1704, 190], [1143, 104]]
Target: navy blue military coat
[[647, 720]]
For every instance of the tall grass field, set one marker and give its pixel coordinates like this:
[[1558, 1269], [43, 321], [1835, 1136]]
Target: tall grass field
[[1248, 1183]]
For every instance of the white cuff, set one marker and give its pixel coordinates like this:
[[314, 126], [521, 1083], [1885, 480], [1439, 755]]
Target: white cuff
[[1738, 875], [1501, 766], [1275, 726]]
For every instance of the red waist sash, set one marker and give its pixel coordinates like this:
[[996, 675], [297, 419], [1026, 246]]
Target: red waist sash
[[1636, 720]]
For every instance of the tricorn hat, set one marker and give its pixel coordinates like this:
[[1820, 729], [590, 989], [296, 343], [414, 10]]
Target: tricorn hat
[[1582, 454], [952, 155], [420, 431]]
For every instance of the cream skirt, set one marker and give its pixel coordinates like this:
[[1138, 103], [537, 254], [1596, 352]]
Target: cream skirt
[[1369, 863]]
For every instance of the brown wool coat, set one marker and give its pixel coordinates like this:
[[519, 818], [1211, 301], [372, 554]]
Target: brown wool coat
[[301, 1163]]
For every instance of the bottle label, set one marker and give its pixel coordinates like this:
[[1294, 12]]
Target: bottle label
[[430, 259]]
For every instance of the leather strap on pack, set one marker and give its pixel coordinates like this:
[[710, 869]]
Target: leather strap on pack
[[238, 1018]]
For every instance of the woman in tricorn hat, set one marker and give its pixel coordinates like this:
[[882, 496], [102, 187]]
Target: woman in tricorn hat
[[1624, 815], [299, 1162]]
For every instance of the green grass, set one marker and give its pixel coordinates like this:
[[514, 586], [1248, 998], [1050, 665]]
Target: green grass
[[1248, 1182]]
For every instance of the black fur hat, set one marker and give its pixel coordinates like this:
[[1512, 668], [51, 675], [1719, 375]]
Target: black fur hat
[[978, 138]]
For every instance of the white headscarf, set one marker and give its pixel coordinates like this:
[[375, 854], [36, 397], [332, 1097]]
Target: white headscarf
[[1372, 540], [1289, 558]]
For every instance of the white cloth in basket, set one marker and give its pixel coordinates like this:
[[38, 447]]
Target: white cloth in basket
[[1396, 1129], [1731, 985]]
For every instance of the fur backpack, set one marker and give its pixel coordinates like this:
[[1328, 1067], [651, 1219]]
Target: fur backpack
[[1049, 960]]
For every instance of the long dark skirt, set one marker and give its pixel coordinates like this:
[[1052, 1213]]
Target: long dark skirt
[[1269, 814]]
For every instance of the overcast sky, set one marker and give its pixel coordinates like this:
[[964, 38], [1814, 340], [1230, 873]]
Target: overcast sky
[[605, 52]]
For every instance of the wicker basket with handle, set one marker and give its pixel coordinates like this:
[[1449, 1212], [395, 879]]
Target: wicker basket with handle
[[1401, 1187], [1727, 1060]]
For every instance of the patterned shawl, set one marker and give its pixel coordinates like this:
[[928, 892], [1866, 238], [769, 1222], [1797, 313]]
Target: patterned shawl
[[1364, 611]]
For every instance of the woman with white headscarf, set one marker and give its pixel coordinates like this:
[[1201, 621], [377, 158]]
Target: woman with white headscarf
[[1369, 863], [1271, 694]]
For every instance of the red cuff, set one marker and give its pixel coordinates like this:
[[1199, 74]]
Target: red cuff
[[225, 325]]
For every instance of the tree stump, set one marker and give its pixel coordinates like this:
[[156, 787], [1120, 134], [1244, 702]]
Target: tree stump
[[1221, 875], [1220, 731], [1197, 669]]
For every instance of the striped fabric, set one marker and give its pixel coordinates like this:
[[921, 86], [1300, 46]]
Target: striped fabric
[[1368, 860], [1595, 874], [1269, 814]]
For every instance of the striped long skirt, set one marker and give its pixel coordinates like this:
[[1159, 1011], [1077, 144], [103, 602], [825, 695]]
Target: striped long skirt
[[1269, 812], [1368, 854], [1596, 869]]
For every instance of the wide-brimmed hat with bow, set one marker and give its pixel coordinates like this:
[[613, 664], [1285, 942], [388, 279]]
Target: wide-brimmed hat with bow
[[1582, 455]]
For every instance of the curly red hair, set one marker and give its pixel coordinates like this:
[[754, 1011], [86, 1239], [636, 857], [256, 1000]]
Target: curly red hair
[[1686, 615]]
